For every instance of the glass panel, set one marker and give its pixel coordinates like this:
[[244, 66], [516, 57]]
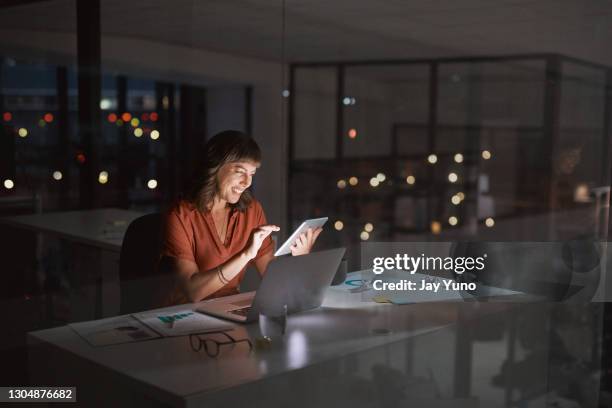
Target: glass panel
[[378, 102], [30, 115], [315, 108]]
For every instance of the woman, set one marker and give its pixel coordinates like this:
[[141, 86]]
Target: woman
[[213, 234]]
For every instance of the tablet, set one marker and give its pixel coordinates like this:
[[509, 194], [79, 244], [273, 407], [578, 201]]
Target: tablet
[[313, 223]]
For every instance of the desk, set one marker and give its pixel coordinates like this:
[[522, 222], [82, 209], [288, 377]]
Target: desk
[[101, 228], [331, 356]]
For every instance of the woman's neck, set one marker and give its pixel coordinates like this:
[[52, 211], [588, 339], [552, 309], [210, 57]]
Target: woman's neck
[[218, 205]]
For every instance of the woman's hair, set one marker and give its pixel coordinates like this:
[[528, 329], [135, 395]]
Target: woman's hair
[[225, 147]]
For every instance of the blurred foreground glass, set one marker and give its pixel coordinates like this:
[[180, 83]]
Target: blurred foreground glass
[[273, 324]]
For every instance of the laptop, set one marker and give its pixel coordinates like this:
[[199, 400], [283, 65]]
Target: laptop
[[299, 282]]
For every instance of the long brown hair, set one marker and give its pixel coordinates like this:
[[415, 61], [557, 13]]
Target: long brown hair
[[225, 147]]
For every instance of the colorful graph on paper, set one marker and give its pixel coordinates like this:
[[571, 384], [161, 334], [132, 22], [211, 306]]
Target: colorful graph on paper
[[181, 322], [174, 317]]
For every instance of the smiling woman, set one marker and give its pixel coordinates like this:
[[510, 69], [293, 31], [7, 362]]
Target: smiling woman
[[219, 229]]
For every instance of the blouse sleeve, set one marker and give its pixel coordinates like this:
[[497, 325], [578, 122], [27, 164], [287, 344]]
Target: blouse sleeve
[[177, 241]]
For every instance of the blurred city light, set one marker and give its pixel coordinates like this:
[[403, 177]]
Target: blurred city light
[[103, 177]]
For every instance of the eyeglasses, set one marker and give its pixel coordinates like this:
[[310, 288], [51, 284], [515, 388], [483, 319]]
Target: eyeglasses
[[212, 346]]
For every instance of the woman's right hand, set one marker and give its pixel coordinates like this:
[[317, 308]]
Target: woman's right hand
[[258, 236]]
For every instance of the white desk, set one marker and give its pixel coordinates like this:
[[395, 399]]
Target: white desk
[[324, 359], [101, 228]]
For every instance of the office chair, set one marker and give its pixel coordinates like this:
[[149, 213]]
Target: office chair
[[143, 286]]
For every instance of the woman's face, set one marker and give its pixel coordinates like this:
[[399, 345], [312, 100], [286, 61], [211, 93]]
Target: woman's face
[[234, 178]]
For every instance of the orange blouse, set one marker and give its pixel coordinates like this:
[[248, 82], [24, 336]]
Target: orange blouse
[[191, 234]]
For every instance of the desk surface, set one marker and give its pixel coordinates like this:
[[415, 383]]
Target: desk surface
[[168, 370], [103, 228]]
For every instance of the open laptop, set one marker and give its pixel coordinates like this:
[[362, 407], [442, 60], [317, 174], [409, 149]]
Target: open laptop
[[299, 282]]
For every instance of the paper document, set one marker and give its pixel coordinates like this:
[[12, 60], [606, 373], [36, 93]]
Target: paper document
[[113, 330], [182, 322]]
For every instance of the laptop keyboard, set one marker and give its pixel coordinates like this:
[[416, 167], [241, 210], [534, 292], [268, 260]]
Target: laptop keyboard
[[241, 312]]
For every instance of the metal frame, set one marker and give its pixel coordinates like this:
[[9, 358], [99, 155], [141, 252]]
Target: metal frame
[[122, 87], [90, 92], [64, 153]]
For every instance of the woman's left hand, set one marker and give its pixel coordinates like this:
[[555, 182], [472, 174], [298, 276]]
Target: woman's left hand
[[303, 244]]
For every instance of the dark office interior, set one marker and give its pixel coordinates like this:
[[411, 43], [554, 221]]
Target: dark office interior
[[424, 122]]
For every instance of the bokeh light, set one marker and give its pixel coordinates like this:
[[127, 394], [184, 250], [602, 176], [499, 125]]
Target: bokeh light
[[152, 184], [103, 177]]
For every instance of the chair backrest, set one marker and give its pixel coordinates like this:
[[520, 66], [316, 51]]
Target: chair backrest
[[143, 287]]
